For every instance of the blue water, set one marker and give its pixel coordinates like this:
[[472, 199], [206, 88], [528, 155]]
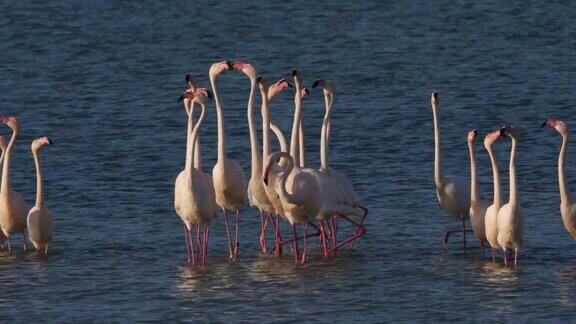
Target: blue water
[[102, 79]]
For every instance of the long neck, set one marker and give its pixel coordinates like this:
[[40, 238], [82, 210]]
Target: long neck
[[254, 147], [190, 126], [495, 175], [564, 193], [39, 180], [281, 141], [219, 115], [437, 157], [296, 124], [473, 184], [302, 144], [265, 127], [194, 138], [324, 162], [6, 165], [290, 198], [512, 168]]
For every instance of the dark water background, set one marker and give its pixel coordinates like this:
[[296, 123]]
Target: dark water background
[[102, 78]]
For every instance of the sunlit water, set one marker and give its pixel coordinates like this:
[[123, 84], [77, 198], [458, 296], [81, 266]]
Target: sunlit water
[[102, 79]]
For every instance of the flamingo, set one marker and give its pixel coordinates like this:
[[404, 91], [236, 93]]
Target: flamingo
[[567, 207], [491, 214], [40, 222], [12, 207], [194, 200], [256, 192], [229, 182], [3, 146], [268, 93], [477, 207], [453, 193], [328, 90], [511, 215]]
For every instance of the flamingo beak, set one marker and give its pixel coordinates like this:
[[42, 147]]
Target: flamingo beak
[[475, 132], [315, 84], [229, 64], [544, 124], [50, 142], [209, 94]]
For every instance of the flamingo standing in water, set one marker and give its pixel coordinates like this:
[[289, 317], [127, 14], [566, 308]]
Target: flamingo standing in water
[[477, 207], [3, 146], [567, 207], [229, 182], [453, 193], [491, 214], [511, 215], [40, 222], [328, 89], [12, 207], [194, 200]]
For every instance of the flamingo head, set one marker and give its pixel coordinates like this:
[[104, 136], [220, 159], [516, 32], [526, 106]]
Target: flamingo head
[[304, 92], [492, 137], [557, 124], [201, 94], [245, 68], [434, 99], [39, 142], [191, 81], [220, 67], [187, 96], [509, 131], [11, 122], [297, 75], [3, 143], [472, 135], [278, 87], [326, 85]]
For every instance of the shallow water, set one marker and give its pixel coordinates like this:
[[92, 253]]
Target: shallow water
[[102, 79]]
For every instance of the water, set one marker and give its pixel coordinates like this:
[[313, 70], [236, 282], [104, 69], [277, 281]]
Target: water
[[102, 78]]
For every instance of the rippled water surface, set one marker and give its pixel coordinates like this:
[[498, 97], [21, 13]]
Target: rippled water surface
[[102, 78]]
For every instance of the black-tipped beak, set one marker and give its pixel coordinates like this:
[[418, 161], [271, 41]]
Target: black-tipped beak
[[230, 66], [435, 95], [475, 133], [209, 94], [189, 77], [503, 131], [259, 78], [544, 123], [315, 84], [289, 84], [307, 92], [181, 98], [50, 142], [294, 72]]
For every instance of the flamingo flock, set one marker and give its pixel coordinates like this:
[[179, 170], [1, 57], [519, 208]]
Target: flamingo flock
[[495, 222], [281, 186], [15, 216]]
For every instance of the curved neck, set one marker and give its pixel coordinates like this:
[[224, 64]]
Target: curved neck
[[296, 123], [512, 167], [437, 157], [324, 162], [190, 113], [6, 165], [495, 175], [39, 180], [290, 198], [473, 184], [280, 137], [194, 138], [564, 193], [254, 147], [220, 117]]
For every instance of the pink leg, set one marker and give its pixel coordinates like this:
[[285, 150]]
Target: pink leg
[[9, 246], [305, 244], [278, 240], [46, 249], [230, 251], [189, 260], [199, 243], [296, 251], [361, 232], [361, 223], [324, 239], [192, 254], [25, 241], [334, 232], [493, 255], [204, 246], [505, 258], [516, 258], [264, 238], [237, 243], [262, 233]]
